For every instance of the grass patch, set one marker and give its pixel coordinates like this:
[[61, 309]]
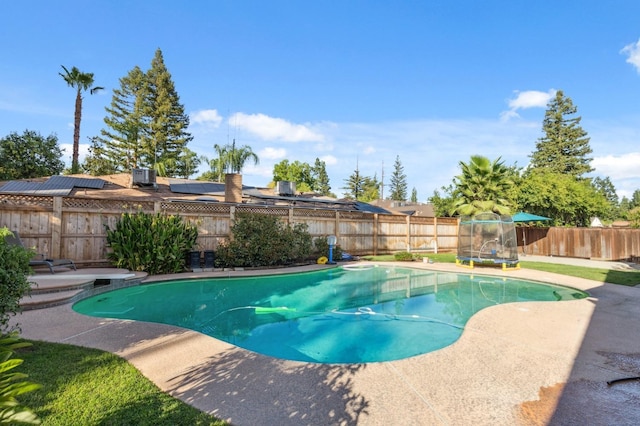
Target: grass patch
[[436, 257], [83, 386], [628, 278]]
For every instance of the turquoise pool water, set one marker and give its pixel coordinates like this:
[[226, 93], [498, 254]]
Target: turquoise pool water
[[339, 315]]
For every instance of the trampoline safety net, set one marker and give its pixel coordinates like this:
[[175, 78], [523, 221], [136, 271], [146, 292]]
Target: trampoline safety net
[[487, 238]]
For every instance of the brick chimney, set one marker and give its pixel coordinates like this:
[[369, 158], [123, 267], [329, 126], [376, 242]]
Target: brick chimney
[[233, 188]]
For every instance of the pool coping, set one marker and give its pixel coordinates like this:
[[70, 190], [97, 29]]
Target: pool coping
[[506, 368]]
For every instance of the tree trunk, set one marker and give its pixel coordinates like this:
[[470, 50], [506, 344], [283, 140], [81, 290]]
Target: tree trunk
[[75, 167]]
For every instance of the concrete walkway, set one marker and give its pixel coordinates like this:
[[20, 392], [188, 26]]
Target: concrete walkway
[[523, 363]]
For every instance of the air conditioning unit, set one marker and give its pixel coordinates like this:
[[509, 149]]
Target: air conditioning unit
[[144, 177], [285, 188]]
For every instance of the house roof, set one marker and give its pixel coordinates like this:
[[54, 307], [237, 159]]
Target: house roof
[[119, 186]]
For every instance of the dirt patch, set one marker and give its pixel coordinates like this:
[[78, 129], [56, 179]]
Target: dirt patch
[[541, 411]]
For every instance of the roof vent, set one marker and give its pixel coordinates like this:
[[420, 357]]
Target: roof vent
[[144, 177], [285, 188]]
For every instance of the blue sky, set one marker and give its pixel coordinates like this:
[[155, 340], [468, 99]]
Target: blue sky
[[354, 83]]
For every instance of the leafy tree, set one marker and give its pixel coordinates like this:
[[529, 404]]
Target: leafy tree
[[443, 205], [370, 189], [29, 156], [635, 199], [298, 172], [634, 217], [568, 200], [565, 146], [81, 81], [608, 190], [414, 195], [398, 182], [321, 178], [483, 186], [166, 136]]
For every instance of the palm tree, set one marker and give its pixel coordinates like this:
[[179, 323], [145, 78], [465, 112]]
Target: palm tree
[[219, 164], [237, 157], [82, 81], [483, 186]]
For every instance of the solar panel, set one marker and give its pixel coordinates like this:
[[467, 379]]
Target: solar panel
[[182, 186], [55, 186], [71, 182]]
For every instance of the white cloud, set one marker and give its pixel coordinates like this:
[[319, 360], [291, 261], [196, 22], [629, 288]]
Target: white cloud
[[527, 99], [270, 153], [274, 129], [329, 160], [633, 54], [207, 117], [623, 166]]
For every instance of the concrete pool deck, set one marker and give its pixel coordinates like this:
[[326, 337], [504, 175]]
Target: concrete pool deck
[[524, 363]]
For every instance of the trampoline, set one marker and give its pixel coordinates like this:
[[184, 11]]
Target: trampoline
[[487, 239]]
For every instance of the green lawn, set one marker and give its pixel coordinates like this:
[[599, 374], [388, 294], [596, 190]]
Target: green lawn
[[82, 386], [628, 278]]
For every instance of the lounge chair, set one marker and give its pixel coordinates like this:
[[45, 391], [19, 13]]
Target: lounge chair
[[40, 259]]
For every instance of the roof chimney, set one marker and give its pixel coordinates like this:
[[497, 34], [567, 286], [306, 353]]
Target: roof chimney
[[233, 188]]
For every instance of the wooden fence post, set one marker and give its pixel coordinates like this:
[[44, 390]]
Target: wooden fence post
[[375, 234], [55, 224]]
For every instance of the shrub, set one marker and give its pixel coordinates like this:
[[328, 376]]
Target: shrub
[[263, 240], [11, 411], [321, 248], [156, 244], [14, 269], [403, 256]]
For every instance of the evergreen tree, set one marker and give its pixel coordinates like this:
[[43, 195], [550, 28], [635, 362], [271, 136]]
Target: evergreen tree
[[565, 146], [146, 126], [166, 136], [354, 185], [120, 146], [414, 195], [321, 178], [398, 182]]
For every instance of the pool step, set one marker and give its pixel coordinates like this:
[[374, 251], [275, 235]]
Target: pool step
[[50, 290]]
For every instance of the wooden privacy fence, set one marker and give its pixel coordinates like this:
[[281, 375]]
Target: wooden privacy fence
[[588, 243], [75, 227]]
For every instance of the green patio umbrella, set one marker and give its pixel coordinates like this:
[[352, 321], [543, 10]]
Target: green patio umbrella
[[527, 217]]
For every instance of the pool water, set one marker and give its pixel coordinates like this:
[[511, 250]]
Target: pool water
[[338, 315]]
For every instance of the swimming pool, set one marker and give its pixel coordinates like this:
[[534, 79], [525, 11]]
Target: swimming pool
[[339, 315]]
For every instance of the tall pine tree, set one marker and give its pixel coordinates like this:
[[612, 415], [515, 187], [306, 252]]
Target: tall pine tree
[[321, 177], [398, 182], [121, 140], [146, 126], [167, 134], [565, 146]]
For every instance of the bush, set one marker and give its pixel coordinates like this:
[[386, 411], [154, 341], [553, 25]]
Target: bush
[[156, 244], [321, 248], [263, 240], [14, 269], [403, 256]]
